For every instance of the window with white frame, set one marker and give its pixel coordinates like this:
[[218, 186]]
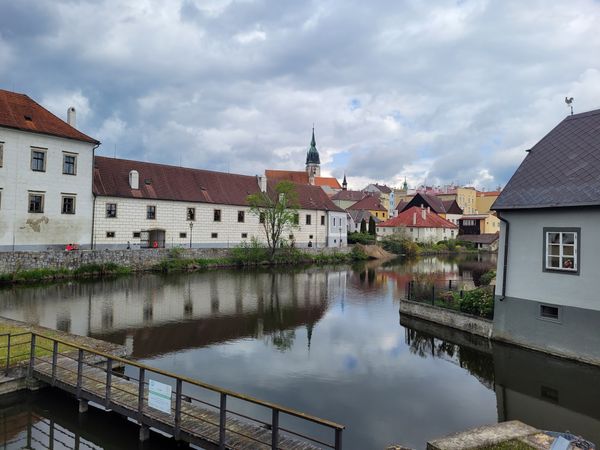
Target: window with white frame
[[38, 160], [68, 204], [69, 164], [561, 249]]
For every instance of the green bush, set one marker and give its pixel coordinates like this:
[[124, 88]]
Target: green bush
[[253, 252], [400, 245], [487, 277], [361, 238], [479, 302]]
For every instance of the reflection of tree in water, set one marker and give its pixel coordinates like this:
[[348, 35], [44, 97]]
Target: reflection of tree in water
[[283, 339], [478, 364]]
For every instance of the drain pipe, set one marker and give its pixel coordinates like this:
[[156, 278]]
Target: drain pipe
[[505, 258]]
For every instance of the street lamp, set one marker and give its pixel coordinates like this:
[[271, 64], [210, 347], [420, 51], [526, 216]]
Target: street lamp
[[340, 236], [191, 226]]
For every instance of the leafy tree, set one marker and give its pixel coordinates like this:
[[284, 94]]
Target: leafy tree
[[277, 212], [363, 226], [372, 226]]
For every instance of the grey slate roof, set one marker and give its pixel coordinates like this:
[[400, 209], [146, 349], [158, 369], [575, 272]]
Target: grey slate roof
[[563, 169]]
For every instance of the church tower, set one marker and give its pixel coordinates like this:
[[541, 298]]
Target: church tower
[[344, 184], [313, 162]]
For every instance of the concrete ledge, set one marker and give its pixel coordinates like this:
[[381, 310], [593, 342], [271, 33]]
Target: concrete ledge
[[483, 436], [461, 321]]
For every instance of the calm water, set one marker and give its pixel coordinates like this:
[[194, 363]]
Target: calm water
[[326, 341]]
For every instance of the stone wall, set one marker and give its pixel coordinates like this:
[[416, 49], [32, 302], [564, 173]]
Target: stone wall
[[135, 259], [450, 318]]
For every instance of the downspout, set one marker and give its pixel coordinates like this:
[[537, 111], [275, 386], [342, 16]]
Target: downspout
[[505, 258], [93, 194]]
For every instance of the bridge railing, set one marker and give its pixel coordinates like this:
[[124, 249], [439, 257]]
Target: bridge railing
[[47, 348]]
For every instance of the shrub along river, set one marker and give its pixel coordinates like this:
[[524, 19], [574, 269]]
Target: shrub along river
[[327, 341]]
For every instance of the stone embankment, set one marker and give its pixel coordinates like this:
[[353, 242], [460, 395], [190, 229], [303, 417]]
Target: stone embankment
[[136, 260]]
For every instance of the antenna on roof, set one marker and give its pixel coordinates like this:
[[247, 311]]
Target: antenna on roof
[[115, 153], [569, 102]]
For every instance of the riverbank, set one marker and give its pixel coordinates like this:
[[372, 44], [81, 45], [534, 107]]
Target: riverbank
[[37, 267]]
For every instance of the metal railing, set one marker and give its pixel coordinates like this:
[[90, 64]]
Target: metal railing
[[46, 348], [430, 292]]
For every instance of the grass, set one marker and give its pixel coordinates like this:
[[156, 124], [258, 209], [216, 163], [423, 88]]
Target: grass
[[509, 445], [86, 270], [20, 345]]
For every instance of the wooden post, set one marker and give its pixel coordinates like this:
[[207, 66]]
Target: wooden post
[[275, 429], [109, 364], [178, 389], [79, 372], [31, 357], [222, 421], [338, 439], [141, 394], [54, 357]]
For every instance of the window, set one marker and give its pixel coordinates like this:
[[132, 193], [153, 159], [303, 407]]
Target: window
[[68, 204], [244, 235], [217, 215], [110, 234], [151, 212], [1, 154], [241, 216], [38, 160], [261, 217], [291, 236], [214, 235], [549, 312], [322, 220], [308, 219], [310, 236], [137, 234], [111, 210], [191, 214], [561, 250], [69, 164], [182, 235], [296, 219], [36, 202]]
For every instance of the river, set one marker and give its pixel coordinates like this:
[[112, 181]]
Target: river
[[327, 341]]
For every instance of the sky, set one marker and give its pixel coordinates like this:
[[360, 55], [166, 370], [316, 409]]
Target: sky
[[432, 91]]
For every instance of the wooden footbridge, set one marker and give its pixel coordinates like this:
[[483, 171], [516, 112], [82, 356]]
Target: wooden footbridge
[[193, 411]]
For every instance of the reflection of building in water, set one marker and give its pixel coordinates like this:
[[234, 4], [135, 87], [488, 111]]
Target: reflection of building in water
[[174, 312], [545, 392]]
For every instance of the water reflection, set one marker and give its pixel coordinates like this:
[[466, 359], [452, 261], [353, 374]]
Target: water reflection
[[325, 341]]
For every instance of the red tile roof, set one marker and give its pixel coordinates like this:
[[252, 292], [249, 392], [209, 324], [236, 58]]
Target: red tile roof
[[164, 182], [349, 195], [301, 177], [20, 112], [413, 217], [370, 203]]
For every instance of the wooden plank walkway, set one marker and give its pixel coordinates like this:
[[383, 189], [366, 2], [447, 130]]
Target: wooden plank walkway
[[198, 425]]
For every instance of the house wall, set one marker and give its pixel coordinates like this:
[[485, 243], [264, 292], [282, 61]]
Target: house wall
[[21, 230], [418, 234], [491, 224], [484, 203], [344, 204], [517, 316], [337, 235], [171, 216]]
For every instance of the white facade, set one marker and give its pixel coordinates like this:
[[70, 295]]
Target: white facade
[[418, 234], [49, 226], [315, 226]]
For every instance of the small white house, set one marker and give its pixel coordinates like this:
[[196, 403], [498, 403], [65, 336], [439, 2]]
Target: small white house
[[45, 177], [154, 205], [419, 225], [549, 251]]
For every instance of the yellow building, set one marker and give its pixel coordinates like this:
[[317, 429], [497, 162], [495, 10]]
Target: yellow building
[[485, 200], [466, 197], [372, 204], [491, 224]]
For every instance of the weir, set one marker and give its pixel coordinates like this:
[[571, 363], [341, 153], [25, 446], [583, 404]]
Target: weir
[[187, 409]]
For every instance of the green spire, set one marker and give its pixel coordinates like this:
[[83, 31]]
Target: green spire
[[312, 157]]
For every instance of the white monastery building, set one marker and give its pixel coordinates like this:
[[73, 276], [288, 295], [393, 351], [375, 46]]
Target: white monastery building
[[419, 224], [46, 166]]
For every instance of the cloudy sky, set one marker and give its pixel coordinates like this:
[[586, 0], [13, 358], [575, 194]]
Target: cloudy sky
[[432, 91]]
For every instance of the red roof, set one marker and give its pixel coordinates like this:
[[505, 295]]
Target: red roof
[[164, 182], [370, 203], [301, 177], [349, 195], [413, 217], [20, 112]]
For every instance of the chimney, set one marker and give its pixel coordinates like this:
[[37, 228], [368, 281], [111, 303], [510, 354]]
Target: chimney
[[71, 116], [423, 212], [262, 183], [428, 210], [134, 179], [414, 219]]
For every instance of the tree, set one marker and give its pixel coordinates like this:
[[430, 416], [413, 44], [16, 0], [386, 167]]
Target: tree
[[372, 226], [363, 226], [277, 212]]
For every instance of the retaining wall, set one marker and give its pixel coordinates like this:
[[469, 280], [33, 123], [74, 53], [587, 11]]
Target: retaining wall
[[448, 317], [139, 259]]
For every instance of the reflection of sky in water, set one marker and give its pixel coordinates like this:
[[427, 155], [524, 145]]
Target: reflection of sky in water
[[324, 341]]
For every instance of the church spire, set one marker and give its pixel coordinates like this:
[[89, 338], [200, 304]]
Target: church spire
[[313, 162], [344, 183]]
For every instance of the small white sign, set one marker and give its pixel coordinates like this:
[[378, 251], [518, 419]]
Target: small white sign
[[159, 396]]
